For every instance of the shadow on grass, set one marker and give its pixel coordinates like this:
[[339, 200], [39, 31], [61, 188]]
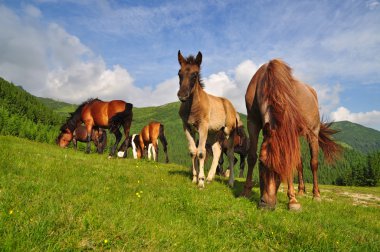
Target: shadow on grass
[[236, 190]]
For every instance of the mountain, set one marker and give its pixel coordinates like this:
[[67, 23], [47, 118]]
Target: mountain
[[359, 137]]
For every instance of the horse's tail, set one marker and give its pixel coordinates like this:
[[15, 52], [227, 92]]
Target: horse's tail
[[163, 140], [121, 118], [331, 150], [281, 147]]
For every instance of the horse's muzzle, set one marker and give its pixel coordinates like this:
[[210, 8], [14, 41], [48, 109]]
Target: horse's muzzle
[[183, 98]]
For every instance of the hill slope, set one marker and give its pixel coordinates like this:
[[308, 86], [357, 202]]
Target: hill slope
[[359, 137], [54, 199]]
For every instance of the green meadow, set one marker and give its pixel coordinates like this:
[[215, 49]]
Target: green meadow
[[54, 199]]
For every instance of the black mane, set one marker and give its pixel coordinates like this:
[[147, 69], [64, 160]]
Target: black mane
[[75, 117]]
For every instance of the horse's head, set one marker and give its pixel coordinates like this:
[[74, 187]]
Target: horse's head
[[64, 138], [189, 75]]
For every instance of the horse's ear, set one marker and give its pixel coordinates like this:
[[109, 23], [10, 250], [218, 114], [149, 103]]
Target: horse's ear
[[181, 59], [198, 59]]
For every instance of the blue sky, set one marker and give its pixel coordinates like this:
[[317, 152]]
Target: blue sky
[[72, 50]]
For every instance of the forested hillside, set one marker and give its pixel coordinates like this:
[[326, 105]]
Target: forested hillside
[[23, 115], [363, 139]]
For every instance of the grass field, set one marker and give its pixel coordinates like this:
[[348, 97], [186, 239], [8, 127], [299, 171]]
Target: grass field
[[54, 199]]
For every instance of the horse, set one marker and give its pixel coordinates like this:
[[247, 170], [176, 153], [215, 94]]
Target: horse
[[284, 109], [94, 112], [98, 136], [149, 136], [206, 114], [146, 143], [241, 145], [134, 143]]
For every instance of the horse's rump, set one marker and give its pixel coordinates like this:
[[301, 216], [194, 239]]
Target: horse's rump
[[120, 118]]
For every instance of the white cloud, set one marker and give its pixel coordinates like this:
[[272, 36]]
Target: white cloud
[[328, 97], [370, 119], [232, 87]]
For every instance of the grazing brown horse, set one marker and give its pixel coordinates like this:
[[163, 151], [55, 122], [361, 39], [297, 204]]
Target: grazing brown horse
[[285, 109], [94, 112], [206, 114], [98, 136], [149, 136]]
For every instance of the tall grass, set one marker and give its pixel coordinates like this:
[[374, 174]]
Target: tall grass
[[54, 199]]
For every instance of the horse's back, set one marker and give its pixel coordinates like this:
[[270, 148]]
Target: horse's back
[[222, 113], [308, 103]]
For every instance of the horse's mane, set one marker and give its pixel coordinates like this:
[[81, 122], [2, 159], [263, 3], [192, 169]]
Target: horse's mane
[[75, 116], [278, 91], [191, 61]]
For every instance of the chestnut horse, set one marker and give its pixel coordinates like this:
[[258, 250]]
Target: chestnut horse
[[285, 109], [98, 136], [94, 112], [149, 136], [146, 143], [206, 114]]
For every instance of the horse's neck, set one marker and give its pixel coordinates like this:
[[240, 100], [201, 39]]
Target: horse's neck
[[194, 108]]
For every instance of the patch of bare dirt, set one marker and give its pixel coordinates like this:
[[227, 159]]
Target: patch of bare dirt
[[363, 199]]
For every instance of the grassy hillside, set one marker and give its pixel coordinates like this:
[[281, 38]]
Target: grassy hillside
[[62, 108], [59, 199], [360, 138]]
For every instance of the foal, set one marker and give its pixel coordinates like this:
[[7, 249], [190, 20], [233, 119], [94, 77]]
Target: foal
[[206, 114]]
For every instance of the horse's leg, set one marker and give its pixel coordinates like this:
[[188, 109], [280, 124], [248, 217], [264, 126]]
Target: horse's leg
[[293, 203], [89, 126], [164, 143], [253, 130], [242, 164], [126, 127], [203, 132], [193, 152], [75, 143], [118, 136], [155, 150], [154, 147], [301, 184], [216, 152], [269, 183], [148, 151], [231, 159], [219, 169], [314, 148]]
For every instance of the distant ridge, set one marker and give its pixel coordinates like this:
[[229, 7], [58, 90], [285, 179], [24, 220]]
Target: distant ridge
[[359, 137]]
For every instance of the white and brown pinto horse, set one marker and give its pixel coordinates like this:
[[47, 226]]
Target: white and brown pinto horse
[[206, 114], [285, 109], [146, 143]]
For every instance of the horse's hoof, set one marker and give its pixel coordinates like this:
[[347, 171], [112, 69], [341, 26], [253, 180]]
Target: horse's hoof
[[301, 193], [195, 180], [227, 173], [208, 181], [265, 206], [295, 206], [317, 198], [231, 184], [109, 157], [246, 194], [201, 183]]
